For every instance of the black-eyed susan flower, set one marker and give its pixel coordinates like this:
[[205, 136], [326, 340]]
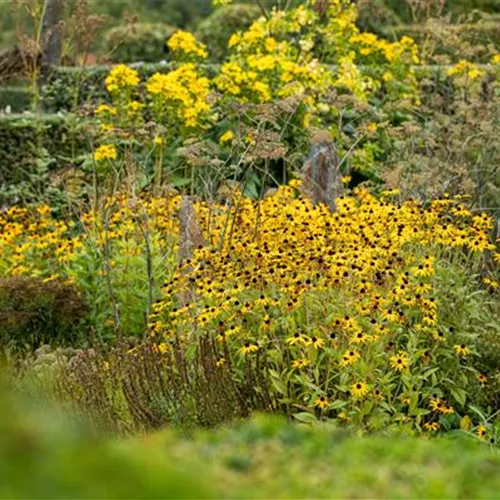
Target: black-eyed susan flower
[[296, 338], [350, 357], [481, 431], [399, 361], [248, 348], [462, 350], [316, 342], [359, 389], [297, 364], [321, 402], [431, 426]]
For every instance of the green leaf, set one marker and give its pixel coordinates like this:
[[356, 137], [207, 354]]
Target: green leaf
[[459, 395], [181, 181], [305, 418]]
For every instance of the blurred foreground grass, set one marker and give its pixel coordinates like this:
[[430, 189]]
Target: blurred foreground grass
[[44, 455]]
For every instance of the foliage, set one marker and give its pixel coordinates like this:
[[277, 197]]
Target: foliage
[[443, 150], [138, 42], [216, 30], [64, 459], [34, 311], [110, 254], [263, 458], [18, 99], [37, 157], [444, 42], [373, 311]]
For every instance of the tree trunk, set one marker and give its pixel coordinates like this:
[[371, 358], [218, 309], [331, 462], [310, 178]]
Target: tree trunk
[[52, 36]]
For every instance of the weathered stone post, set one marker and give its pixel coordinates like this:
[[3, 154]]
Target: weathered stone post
[[322, 180]]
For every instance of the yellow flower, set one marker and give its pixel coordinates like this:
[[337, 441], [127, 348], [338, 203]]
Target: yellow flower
[[105, 152], [462, 350], [248, 348], [183, 41], [359, 389], [316, 342], [122, 77], [350, 357], [431, 426], [158, 141], [399, 361], [228, 136], [465, 68], [481, 431], [321, 402], [297, 364], [162, 348], [492, 284], [104, 108]]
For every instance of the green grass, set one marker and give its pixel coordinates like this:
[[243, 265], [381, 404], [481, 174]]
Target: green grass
[[45, 455]]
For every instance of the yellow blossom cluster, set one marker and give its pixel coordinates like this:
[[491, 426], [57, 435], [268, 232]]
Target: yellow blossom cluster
[[121, 77], [342, 305], [182, 92], [465, 68], [105, 152], [278, 57], [186, 43]]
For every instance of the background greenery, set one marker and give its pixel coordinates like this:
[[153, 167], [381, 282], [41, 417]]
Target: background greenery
[[43, 454]]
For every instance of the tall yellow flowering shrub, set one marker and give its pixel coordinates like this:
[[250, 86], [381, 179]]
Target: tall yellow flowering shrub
[[304, 57]]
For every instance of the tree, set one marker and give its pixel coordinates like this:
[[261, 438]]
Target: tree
[[51, 40]]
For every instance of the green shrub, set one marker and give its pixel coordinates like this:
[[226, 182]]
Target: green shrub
[[138, 42], [17, 98], [376, 16], [66, 460], [458, 41], [34, 311], [32, 149], [216, 30], [262, 458]]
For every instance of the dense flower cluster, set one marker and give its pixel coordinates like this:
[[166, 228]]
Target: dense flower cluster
[[465, 68], [182, 92], [341, 306], [185, 43], [121, 77], [109, 246], [105, 152]]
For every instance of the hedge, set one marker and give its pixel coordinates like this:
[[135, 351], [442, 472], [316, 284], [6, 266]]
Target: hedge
[[24, 139], [18, 99], [483, 34], [70, 87], [216, 30], [138, 42]]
